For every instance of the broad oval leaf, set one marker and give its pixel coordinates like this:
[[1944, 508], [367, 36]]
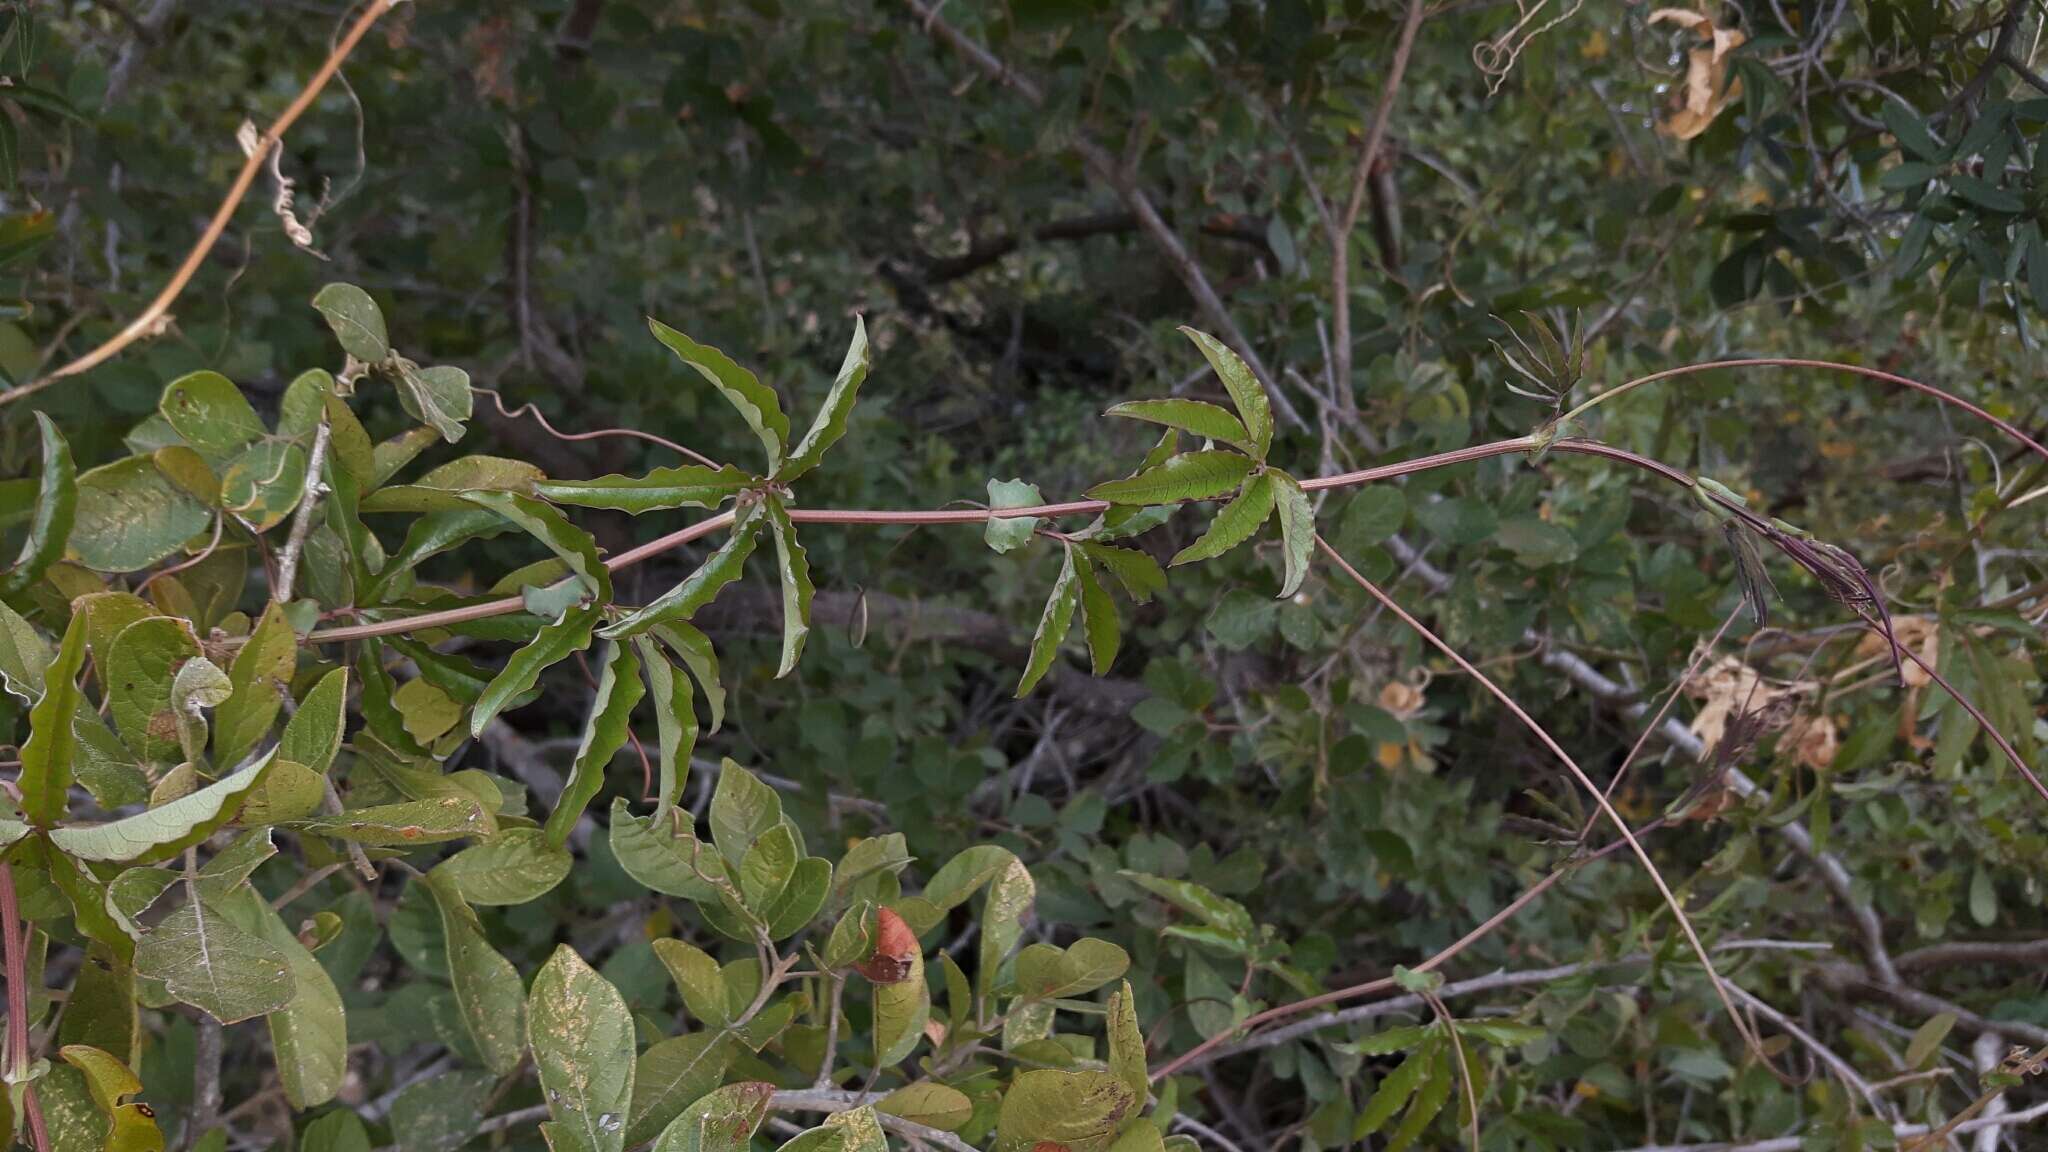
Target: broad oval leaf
[[488, 993], [1079, 1110], [582, 1040], [357, 321], [210, 414], [513, 867], [207, 962], [130, 515], [721, 1121]]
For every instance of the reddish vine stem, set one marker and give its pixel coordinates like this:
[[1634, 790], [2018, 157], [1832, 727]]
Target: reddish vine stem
[[15, 946]]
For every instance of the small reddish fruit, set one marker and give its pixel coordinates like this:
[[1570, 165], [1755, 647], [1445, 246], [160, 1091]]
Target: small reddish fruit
[[895, 950]]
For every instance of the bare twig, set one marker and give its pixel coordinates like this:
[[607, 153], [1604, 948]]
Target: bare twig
[[309, 502], [148, 322]]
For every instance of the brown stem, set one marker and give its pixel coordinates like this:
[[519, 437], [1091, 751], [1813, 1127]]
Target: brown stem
[[145, 322]]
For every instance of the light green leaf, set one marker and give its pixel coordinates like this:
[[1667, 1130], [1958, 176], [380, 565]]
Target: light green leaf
[[1127, 1044], [699, 587], [357, 321], [1189, 476], [1053, 622], [694, 649], [687, 486], [1235, 523], [145, 657], [765, 871], [1245, 390], [408, 823], [551, 528], [388, 456], [742, 809], [261, 675], [513, 867], [1004, 533], [698, 977], [1081, 1110], [555, 642], [1139, 573], [1195, 417], [488, 993], [441, 490], [1394, 1090], [661, 854], [338, 1130], [313, 735], [198, 686], [207, 962], [1297, 530], [582, 1040], [1927, 1038], [163, 832], [1045, 972], [264, 483], [675, 719], [56, 504], [673, 1074], [830, 423], [793, 570], [901, 1010], [129, 516], [722, 1121], [438, 397], [929, 1103], [440, 1113], [52, 747], [755, 401], [618, 689], [1218, 911], [211, 415], [309, 1035]]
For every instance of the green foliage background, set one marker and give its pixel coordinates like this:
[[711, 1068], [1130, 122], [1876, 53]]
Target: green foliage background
[[1258, 799]]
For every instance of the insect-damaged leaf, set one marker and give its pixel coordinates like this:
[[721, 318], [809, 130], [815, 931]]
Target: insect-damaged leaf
[[582, 1041]]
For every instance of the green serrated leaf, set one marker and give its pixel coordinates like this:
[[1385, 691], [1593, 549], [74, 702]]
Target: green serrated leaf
[[830, 423], [755, 401], [1053, 622], [1195, 417], [1190, 476], [1235, 523], [699, 587], [618, 689], [555, 642], [687, 486], [1245, 390], [793, 571]]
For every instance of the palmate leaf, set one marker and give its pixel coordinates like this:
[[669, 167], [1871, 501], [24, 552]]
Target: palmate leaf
[[1245, 390], [830, 424], [1053, 623], [56, 503], [1190, 476], [1235, 523], [755, 401]]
